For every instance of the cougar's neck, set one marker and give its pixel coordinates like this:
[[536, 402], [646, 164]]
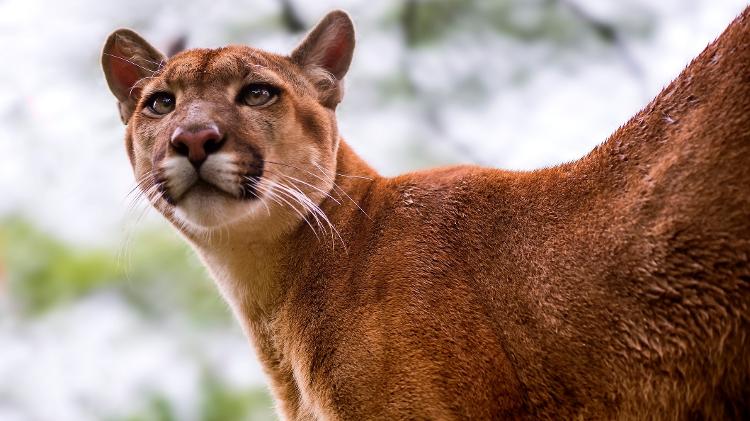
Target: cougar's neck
[[250, 268]]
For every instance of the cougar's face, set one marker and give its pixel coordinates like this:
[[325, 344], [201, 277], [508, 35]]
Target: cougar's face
[[221, 135]]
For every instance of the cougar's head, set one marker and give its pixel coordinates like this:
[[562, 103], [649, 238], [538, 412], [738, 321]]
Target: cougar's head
[[217, 136]]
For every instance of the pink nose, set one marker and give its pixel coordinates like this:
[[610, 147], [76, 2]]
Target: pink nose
[[197, 145]]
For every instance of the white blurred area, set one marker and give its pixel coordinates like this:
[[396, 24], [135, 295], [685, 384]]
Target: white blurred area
[[473, 95], [63, 161]]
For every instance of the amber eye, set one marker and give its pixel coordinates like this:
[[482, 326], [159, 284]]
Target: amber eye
[[257, 94], [161, 103]]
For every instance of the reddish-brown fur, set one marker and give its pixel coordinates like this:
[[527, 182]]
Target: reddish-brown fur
[[613, 287]]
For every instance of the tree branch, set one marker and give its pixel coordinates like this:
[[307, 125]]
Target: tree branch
[[291, 18]]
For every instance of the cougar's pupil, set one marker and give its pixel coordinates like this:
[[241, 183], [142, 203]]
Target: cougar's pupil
[[258, 94], [162, 103], [255, 95]]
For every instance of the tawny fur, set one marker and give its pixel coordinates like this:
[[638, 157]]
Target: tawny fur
[[613, 287]]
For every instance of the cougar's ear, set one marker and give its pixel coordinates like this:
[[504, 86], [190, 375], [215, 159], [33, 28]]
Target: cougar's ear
[[127, 59], [325, 55]]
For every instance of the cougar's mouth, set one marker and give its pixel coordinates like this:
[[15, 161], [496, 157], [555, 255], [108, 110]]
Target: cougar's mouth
[[245, 191], [218, 176]]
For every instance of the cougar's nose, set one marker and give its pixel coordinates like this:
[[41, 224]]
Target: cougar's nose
[[197, 144]]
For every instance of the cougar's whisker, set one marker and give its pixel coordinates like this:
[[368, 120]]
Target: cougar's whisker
[[265, 191], [305, 206], [257, 185], [331, 180], [279, 174], [344, 192], [318, 211], [139, 183], [274, 187], [130, 92], [306, 203], [134, 63]]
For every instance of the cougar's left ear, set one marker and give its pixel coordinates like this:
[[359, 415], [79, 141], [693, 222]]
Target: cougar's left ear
[[128, 60], [325, 55]]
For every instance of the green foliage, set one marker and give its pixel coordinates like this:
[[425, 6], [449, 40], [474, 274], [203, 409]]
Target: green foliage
[[553, 21], [43, 271], [221, 403], [157, 409], [162, 274], [158, 274], [427, 22], [156, 271]]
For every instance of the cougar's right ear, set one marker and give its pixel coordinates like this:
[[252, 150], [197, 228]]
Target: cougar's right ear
[[127, 59]]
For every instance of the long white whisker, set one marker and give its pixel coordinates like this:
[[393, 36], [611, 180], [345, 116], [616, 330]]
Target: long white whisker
[[301, 199], [272, 192], [257, 183], [139, 183], [334, 172], [292, 195], [134, 63], [317, 210], [266, 191], [305, 183], [130, 92], [133, 215], [344, 192], [336, 187]]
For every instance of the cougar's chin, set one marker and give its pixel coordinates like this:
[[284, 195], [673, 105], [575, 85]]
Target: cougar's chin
[[205, 206]]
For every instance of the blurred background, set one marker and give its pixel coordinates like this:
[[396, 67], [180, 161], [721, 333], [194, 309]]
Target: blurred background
[[106, 315]]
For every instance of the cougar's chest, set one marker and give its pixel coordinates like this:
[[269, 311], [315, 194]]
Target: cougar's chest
[[295, 377]]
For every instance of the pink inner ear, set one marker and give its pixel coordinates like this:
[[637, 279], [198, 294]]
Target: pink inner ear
[[333, 54], [336, 47], [125, 74]]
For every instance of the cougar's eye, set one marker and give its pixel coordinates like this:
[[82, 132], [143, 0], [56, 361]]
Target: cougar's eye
[[257, 94], [161, 103]]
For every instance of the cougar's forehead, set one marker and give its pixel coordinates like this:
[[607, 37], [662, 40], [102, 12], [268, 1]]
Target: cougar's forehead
[[222, 66]]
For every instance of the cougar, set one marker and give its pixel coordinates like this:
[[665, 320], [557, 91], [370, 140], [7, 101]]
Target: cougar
[[613, 287]]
